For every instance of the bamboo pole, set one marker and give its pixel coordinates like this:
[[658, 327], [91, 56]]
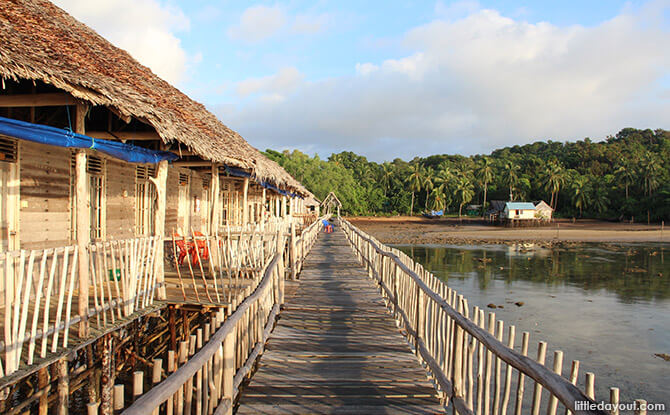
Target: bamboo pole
[[119, 400], [537, 392], [83, 222], [508, 372], [138, 384], [245, 206], [520, 382], [558, 369], [614, 400], [63, 387]]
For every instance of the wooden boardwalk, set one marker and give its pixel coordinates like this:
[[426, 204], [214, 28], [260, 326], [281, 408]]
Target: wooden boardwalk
[[336, 349]]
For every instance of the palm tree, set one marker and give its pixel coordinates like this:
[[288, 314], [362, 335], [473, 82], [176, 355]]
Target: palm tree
[[485, 174], [444, 180], [625, 175], [512, 177], [386, 176], [579, 197], [414, 180], [650, 171], [428, 176], [554, 178], [464, 191], [598, 198], [437, 202]]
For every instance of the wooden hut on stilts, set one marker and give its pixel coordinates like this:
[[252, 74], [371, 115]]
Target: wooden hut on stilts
[[101, 161]]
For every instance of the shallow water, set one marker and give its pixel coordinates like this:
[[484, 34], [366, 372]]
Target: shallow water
[[605, 305]]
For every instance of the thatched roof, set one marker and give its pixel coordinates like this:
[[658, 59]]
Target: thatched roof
[[39, 41]]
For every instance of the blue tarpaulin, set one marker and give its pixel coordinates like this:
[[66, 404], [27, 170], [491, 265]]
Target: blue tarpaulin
[[45, 134], [241, 173], [237, 172]]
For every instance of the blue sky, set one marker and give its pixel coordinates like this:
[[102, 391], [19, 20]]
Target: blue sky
[[404, 78]]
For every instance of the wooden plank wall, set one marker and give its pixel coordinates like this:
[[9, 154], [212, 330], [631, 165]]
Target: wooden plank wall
[[196, 203], [172, 201], [45, 196], [120, 199]]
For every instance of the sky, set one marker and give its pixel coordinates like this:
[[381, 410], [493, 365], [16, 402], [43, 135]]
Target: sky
[[389, 79]]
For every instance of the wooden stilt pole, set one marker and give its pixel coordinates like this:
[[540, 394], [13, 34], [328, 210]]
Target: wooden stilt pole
[[245, 205], [43, 384], [107, 378], [63, 386], [83, 223], [160, 181]]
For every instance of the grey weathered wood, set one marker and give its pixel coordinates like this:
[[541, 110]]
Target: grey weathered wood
[[336, 348]]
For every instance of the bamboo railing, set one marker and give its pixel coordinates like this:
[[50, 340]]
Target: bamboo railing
[[208, 381], [39, 286], [474, 367]]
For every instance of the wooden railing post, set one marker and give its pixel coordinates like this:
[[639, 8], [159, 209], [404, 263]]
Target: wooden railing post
[[457, 379], [420, 318], [83, 222], [280, 271], [229, 369], [160, 181], [292, 253]]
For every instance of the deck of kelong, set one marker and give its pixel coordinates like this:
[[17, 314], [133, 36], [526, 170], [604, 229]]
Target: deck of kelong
[[336, 349]]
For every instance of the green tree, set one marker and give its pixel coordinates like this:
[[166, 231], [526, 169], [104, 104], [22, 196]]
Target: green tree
[[625, 175], [437, 199], [386, 176], [428, 177], [485, 174], [579, 193], [511, 177], [651, 171], [414, 180], [554, 178], [464, 191]]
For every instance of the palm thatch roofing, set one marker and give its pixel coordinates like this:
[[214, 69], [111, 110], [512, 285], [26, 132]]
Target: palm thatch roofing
[[40, 41]]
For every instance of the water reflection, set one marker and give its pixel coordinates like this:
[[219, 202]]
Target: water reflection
[[633, 272], [605, 305]]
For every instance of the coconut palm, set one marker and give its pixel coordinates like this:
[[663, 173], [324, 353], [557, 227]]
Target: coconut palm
[[428, 177], [444, 181], [386, 176], [414, 180], [651, 171], [485, 174], [554, 178], [511, 177], [437, 199], [598, 198], [579, 196], [625, 174], [464, 191]]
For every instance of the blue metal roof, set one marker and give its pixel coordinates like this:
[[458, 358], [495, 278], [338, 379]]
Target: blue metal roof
[[520, 206]]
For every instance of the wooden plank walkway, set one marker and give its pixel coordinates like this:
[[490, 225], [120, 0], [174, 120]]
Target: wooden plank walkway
[[336, 349]]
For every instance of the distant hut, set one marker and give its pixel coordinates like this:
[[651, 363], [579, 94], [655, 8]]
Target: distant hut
[[519, 213], [495, 212], [312, 204], [543, 211]]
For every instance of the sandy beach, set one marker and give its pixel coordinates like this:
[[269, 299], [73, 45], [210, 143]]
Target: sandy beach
[[419, 230]]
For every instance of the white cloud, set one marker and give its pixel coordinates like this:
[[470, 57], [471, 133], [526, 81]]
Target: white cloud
[[271, 88], [479, 82], [366, 69], [144, 28], [310, 24], [258, 23]]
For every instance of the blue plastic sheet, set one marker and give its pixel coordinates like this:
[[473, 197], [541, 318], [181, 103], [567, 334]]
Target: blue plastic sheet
[[45, 134]]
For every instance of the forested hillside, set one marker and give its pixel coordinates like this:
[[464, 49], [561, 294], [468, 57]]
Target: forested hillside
[[625, 176]]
